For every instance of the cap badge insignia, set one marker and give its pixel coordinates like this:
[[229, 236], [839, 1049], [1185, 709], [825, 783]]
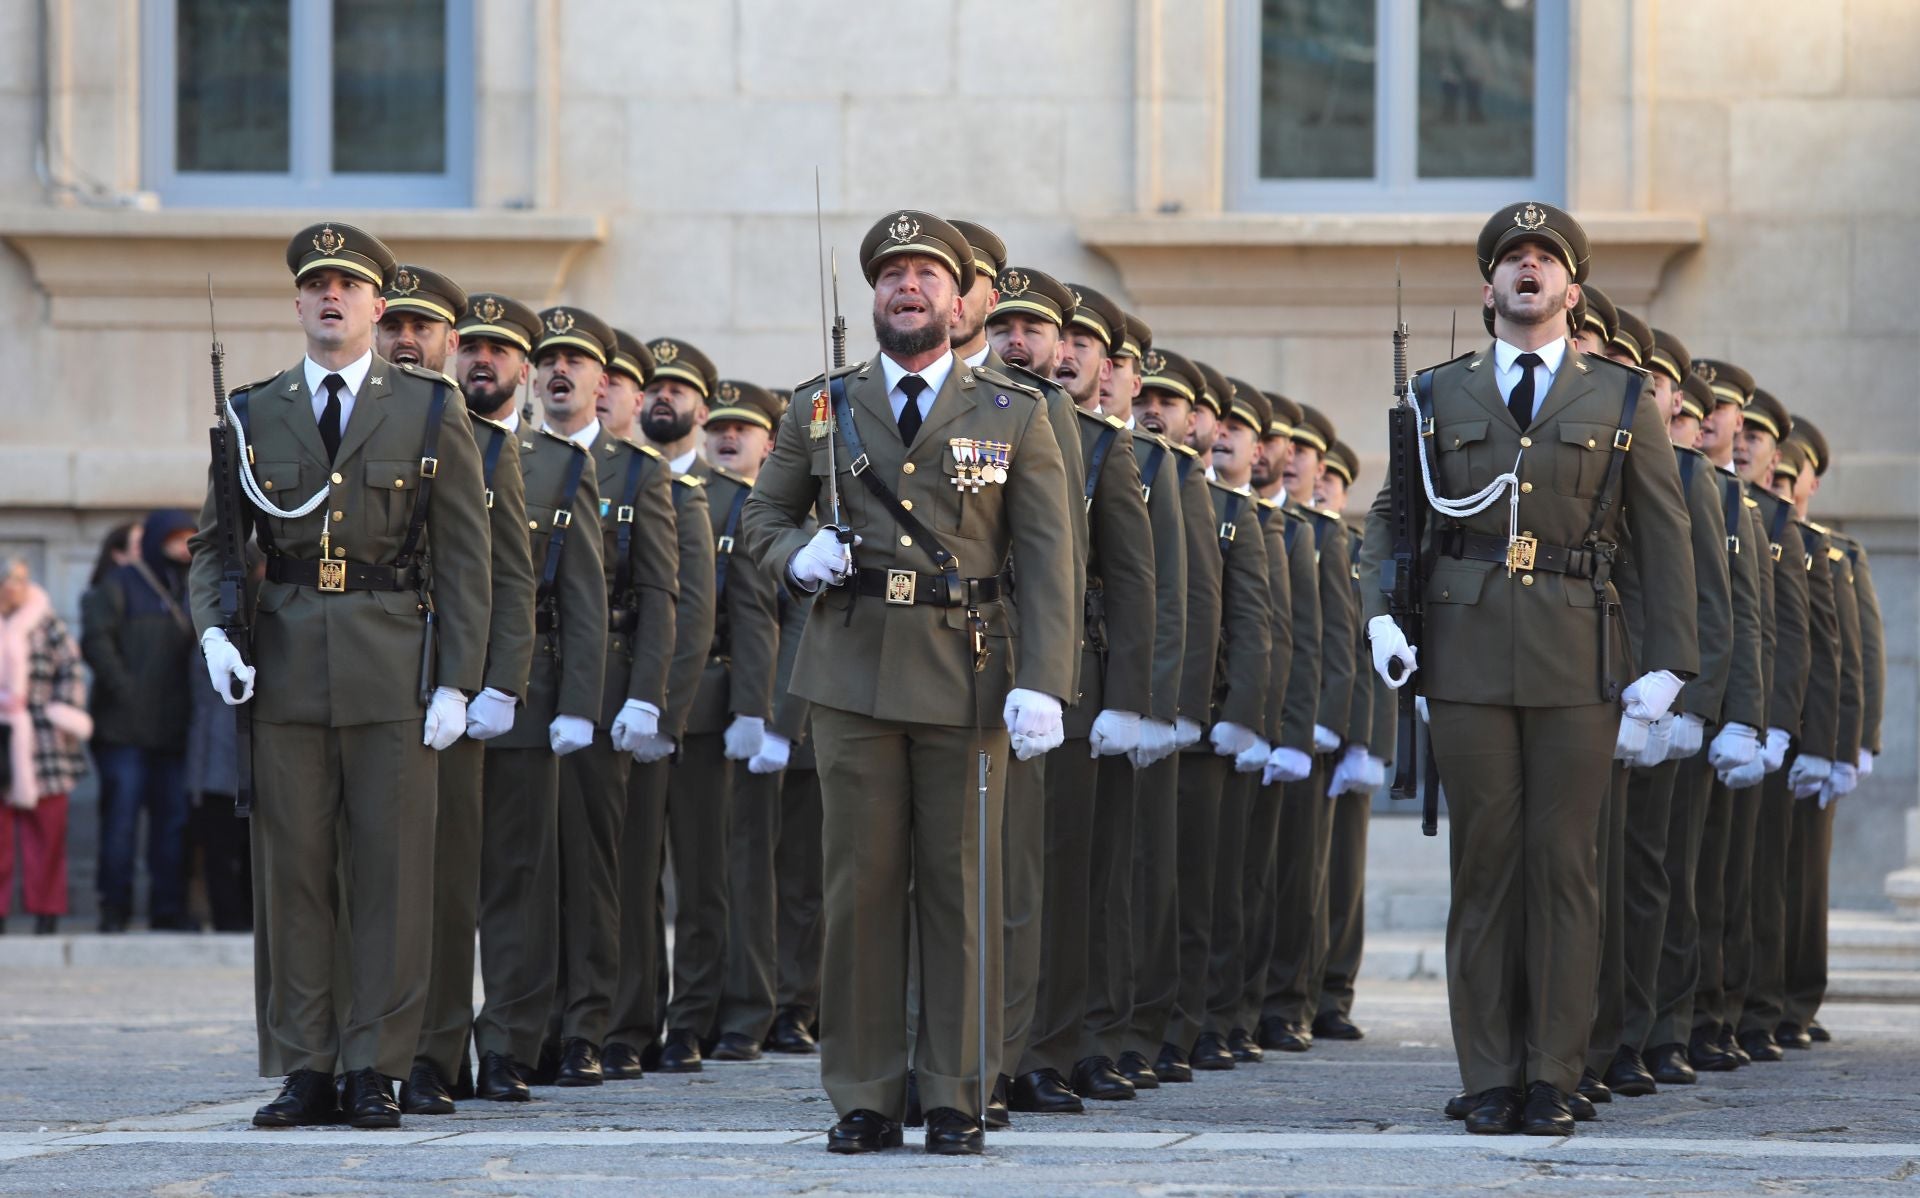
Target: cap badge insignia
[[729, 392], [327, 241], [1706, 371], [904, 228], [664, 351], [1530, 218], [560, 323], [405, 282], [490, 310], [822, 414], [1154, 363], [1014, 282]]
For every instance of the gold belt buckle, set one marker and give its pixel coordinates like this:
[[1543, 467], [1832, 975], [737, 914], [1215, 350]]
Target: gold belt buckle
[[333, 576], [900, 588], [1520, 553]]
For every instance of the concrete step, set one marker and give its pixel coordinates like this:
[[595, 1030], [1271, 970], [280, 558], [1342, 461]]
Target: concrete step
[[1872, 941]]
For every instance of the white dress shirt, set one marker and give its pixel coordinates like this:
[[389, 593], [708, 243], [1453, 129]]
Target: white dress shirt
[[936, 376], [586, 438], [512, 420], [974, 360], [354, 374], [1506, 369], [684, 462]]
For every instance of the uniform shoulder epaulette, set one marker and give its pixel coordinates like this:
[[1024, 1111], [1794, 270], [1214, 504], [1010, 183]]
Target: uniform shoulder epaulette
[[569, 442], [1818, 527], [1329, 517], [839, 372], [690, 480], [1690, 449], [479, 419], [732, 476], [1749, 500], [1099, 417], [649, 450], [1142, 433], [1835, 555], [1189, 450], [1005, 380], [422, 373], [1586, 362], [1472, 353], [1264, 502], [249, 387]]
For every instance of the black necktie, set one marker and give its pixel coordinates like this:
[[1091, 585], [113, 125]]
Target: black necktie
[[1520, 399], [911, 386], [330, 415]]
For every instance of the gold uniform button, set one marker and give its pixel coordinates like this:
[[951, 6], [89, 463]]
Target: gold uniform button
[[1526, 580], [905, 540], [533, 524], [340, 553], [907, 469], [268, 484], [1591, 443], [336, 477], [1526, 488], [339, 516], [399, 482], [1526, 442], [906, 505]]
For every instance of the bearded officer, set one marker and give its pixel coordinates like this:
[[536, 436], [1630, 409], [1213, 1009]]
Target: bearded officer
[[339, 739], [906, 660], [1524, 728]]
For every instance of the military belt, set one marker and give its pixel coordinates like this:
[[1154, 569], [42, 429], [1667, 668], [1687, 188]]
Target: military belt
[[1551, 559], [622, 619], [339, 575], [545, 620], [910, 588]]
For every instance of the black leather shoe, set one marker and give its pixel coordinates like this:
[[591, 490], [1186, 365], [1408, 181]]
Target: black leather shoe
[[1496, 1113], [1133, 1066], [1096, 1078], [1244, 1047], [950, 1133], [424, 1092], [1669, 1066], [997, 1105], [1705, 1054], [1759, 1046], [500, 1080], [1043, 1092], [680, 1054], [1546, 1113], [1792, 1035], [1286, 1037], [1461, 1105], [1210, 1053], [1627, 1075], [1171, 1066], [1818, 1034], [863, 1131], [547, 1069], [579, 1064], [621, 1063], [369, 1100], [915, 1117], [308, 1099], [733, 1046], [1582, 1110], [790, 1032], [1730, 1044], [1332, 1025], [1594, 1089]]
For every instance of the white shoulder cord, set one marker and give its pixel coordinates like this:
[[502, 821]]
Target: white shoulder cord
[[259, 497]]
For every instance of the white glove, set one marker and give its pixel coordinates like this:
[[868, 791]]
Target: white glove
[[1659, 739], [1632, 738], [1652, 695], [821, 560], [1231, 740], [1776, 751], [1843, 779], [1186, 732], [1740, 777], [1376, 775], [1420, 705], [224, 666], [637, 718], [490, 714], [1325, 739], [742, 737], [569, 734], [651, 747], [1735, 744], [1114, 732], [1807, 776], [1389, 646], [1689, 732], [1155, 741], [446, 718], [775, 749], [1033, 723], [1346, 775], [1866, 764], [1285, 765], [1253, 759]]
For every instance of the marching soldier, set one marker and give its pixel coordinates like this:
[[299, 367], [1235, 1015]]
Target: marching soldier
[[1524, 730], [417, 329], [641, 564], [518, 908], [901, 748], [345, 676]]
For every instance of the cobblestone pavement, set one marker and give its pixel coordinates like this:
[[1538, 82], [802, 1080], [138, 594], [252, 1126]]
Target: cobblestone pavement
[[124, 1080]]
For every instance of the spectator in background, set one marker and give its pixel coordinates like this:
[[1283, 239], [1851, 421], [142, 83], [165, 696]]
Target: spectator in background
[[120, 546], [139, 640], [213, 779], [44, 724]]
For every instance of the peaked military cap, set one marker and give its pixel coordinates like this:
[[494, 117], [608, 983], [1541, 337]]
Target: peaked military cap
[[428, 292], [676, 359], [1729, 383], [1313, 428], [1632, 337], [1814, 442], [1243, 387], [1600, 317], [499, 317], [1536, 222], [1249, 407], [747, 403], [1669, 356], [1769, 415], [1286, 416], [631, 357], [1167, 371], [1216, 391], [336, 246], [1343, 461], [909, 232], [1137, 340], [1098, 315], [565, 326], [989, 252], [1024, 289], [1696, 396], [1792, 460]]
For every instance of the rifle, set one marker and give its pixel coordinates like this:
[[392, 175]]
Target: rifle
[[1400, 576], [224, 448]]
